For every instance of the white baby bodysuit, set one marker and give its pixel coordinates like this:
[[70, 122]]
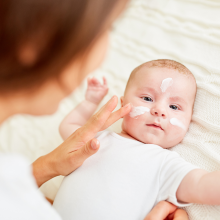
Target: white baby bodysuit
[[125, 179]]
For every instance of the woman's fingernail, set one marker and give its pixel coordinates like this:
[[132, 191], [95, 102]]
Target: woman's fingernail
[[94, 144], [127, 105], [113, 97]]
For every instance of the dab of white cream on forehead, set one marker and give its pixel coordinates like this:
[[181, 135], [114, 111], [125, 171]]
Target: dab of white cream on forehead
[[176, 122], [139, 110], [166, 83]]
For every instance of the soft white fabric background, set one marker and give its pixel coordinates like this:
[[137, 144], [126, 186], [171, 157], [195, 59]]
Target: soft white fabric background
[[187, 31]]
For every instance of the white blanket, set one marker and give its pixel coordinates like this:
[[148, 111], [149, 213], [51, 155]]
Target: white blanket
[[187, 31]]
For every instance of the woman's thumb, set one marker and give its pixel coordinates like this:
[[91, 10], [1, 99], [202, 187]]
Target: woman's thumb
[[90, 148], [94, 144]]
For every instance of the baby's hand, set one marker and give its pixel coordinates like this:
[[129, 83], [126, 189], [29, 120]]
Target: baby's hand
[[96, 91]]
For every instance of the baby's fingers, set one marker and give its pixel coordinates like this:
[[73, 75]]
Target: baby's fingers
[[95, 82], [92, 81], [104, 81]]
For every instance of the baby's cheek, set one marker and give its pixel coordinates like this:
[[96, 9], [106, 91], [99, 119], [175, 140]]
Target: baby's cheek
[[128, 122], [175, 134], [131, 124]]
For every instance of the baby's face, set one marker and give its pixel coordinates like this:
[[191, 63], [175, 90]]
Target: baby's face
[[162, 101]]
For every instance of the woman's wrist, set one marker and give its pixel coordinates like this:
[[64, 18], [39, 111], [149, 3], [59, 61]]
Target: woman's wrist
[[43, 170]]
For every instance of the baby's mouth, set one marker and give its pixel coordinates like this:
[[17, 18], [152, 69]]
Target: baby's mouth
[[157, 126]]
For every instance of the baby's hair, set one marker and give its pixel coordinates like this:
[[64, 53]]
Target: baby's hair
[[162, 63]]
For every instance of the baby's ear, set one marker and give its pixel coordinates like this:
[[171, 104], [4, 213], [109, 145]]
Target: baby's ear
[[122, 100]]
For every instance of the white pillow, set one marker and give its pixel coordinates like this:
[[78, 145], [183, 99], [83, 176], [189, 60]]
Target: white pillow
[[187, 31]]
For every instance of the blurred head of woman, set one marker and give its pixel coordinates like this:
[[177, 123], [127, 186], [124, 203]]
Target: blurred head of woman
[[48, 47]]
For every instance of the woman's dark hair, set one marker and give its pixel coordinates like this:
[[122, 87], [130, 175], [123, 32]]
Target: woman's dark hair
[[59, 30]]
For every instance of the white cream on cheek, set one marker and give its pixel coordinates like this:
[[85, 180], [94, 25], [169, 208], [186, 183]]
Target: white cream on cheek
[[138, 110], [176, 122], [165, 84]]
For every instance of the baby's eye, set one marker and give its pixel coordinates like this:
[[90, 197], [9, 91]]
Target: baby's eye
[[174, 107], [148, 99]]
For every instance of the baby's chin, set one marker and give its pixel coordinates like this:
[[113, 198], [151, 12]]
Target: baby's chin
[[150, 139], [146, 139]]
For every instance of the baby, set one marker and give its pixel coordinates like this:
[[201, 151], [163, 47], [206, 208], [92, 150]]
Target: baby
[[133, 170]]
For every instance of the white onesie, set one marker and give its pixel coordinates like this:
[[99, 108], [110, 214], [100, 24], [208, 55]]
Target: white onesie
[[125, 179]]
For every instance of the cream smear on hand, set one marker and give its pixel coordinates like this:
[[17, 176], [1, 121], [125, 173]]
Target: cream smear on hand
[[176, 122], [139, 110], [166, 83]]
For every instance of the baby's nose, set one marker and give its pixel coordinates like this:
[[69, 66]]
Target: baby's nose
[[159, 112]]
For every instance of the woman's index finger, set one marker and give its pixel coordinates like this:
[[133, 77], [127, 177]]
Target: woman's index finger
[[96, 122]]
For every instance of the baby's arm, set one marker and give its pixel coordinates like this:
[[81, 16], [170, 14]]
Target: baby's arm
[[199, 186], [78, 116]]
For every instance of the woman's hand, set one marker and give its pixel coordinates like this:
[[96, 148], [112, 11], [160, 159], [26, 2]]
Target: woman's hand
[[166, 211], [79, 146]]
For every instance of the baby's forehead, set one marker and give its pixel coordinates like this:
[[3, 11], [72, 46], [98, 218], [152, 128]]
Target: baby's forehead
[[155, 77], [162, 64], [149, 75]]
